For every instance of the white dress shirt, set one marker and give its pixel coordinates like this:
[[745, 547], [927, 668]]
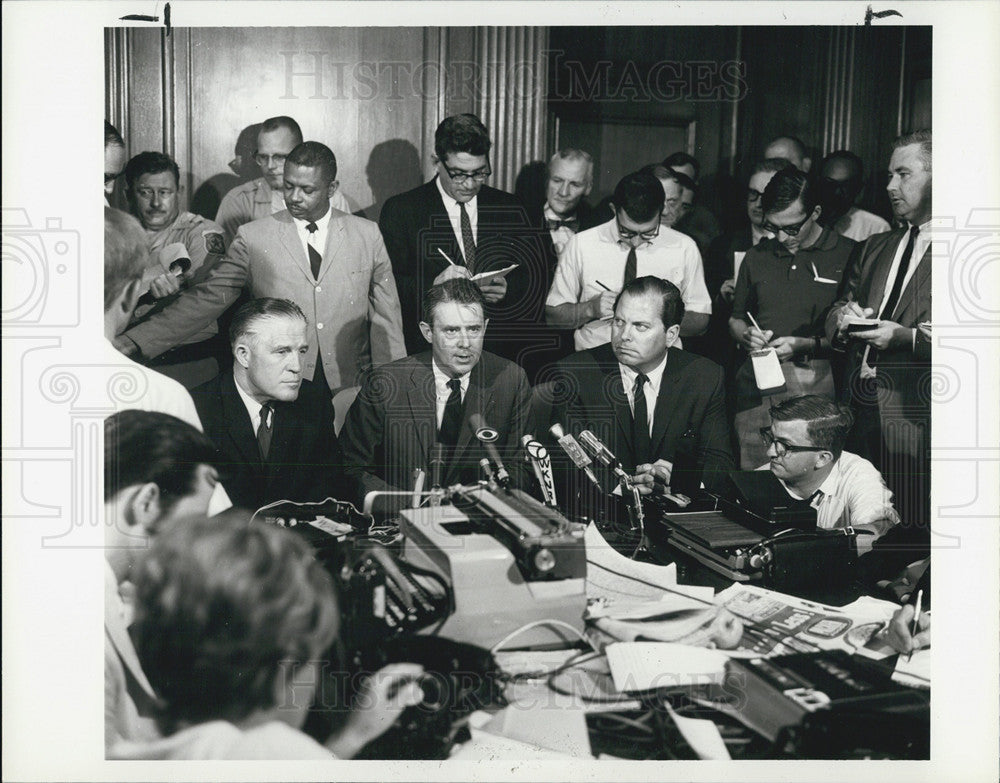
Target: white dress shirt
[[455, 215], [253, 407], [919, 247], [317, 238], [651, 390], [562, 235], [442, 391]]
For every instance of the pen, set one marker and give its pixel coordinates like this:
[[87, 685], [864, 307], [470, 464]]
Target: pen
[[446, 257], [602, 285], [755, 324], [916, 618]]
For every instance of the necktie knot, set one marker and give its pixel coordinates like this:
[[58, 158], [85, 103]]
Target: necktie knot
[[455, 385], [311, 227], [265, 415], [640, 381]]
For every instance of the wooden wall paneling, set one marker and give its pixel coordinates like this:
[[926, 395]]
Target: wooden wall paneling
[[144, 128]]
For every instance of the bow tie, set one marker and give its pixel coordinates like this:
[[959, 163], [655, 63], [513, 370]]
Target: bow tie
[[573, 224]]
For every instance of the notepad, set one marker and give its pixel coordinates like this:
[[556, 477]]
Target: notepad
[[643, 666], [494, 274]]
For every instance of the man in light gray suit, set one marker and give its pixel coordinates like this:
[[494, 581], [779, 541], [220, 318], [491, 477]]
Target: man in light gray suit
[[333, 265]]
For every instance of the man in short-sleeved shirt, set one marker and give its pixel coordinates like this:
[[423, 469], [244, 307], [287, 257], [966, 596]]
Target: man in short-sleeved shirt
[[595, 263]]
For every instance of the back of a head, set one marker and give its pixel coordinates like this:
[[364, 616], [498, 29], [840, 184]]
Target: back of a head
[[828, 421], [769, 166], [111, 136], [681, 159], [313, 154], [785, 188], [461, 133], [672, 305], [640, 195], [150, 163], [142, 447], [222, 606], [249, 316], [459, 290], [282, 123], [125, 253]]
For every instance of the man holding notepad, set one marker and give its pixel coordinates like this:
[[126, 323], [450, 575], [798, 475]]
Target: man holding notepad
[[457, 226]]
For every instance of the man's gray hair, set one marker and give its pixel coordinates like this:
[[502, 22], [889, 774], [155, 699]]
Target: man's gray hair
[[921, 137], [574, 154]]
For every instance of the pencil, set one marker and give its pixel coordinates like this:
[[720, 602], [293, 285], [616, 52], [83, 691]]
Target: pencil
[[916, 618], [755, 324], [602, 285], [446, 257]]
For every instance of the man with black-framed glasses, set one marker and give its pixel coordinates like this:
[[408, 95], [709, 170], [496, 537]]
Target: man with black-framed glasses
[[458, 226], [805, 451], [598, 263], [264, 196], [787, 285]]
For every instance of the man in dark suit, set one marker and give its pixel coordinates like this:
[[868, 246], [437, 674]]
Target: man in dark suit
[[456, 217], [273, 429], [889, 365], [404, 408], [651, 404]]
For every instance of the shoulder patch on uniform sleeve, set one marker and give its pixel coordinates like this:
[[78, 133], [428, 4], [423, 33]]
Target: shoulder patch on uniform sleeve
[[214, 243]]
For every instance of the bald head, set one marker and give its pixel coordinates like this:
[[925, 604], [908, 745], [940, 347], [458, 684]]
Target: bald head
[[791, 149]]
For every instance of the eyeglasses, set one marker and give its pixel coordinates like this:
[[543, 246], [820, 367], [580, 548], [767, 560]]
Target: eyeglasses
[[461, 177], [753, 196], [264, 161], [780, 447], [792, 230], [626, 233]]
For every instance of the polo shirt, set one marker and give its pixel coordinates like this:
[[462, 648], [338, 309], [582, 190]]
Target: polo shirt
[[598, 255], [790, 294]]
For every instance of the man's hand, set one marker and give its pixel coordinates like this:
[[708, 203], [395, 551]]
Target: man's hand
[[603, 305], [754, 340], [382, 698], [786, 347], [452, 270], [850, 313], [888, 334], [653, 477], [493, 289], [898, 634], [728, 289], [164, 285], [127, 346]]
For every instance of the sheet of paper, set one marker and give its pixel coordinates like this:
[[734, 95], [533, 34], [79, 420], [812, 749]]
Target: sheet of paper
[[641, 666], [915, 672], [702, 735], [612, 575], [737, 262], [493, 274]]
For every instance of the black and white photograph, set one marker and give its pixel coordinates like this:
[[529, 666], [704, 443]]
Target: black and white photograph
[[501, 391]]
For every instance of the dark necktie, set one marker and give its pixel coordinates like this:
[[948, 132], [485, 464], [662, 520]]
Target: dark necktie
[[468, 243], [573, 224], [630, 264], [264, 431], [315, 259], [640, 421], [451, 421], [897, 284]]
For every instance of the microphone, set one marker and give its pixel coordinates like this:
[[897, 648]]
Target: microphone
[[487, 435], [603, 454], [575, 453], [542, 465], [436, 463]]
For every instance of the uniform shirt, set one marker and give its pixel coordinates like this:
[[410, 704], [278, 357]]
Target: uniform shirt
[[254, 200], [859, 224], [853, 495], [790, 294], [598, 255], [651, 390]]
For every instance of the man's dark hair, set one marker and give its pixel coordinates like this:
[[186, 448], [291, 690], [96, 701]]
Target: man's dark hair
[[685, 181], [827, 421], [671, 304], [150, 163], [112, 138], [313, 154], [249, 314], [786, 187], [769, 166], [921, 137], [461, 133], [224, 608], [142, 447], [459, 290], [683, 159], [640, 195], [277, 123]]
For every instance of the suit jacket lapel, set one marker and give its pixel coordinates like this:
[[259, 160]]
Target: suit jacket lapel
[[334, 240], [615, 389], [238, 426], [290, 239], [478, 399], [118, 634], [422, 399], [880, 271], [910, 296], [665, 400], [441, 233]]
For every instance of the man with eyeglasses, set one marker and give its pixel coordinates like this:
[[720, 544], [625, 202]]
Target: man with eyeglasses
[[596, 264], [787, 284], [457, 226], [805, 450], [696, 220], [182, 247], [265, 196], [841, 179]]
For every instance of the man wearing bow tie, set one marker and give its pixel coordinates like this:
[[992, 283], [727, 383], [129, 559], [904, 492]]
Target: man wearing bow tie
[[571, 177], [273, 429]]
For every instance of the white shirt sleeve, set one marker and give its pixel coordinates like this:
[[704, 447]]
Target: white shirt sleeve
[[567, 283], [694, 294]]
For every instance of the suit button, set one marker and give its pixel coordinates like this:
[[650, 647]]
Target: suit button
[[319, 289], [319, 326]]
